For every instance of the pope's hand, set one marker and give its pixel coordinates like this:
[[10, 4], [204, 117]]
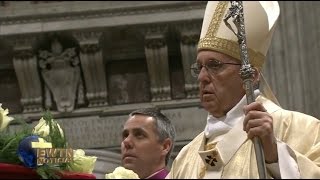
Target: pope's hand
[[259, 123]]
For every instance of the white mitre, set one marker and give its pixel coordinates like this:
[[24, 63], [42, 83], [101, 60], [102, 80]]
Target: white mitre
[[260, 19]]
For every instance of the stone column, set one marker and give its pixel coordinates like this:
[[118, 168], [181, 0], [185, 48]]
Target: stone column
[[93, 67], [188, 46], [25, 66], [156, 52]]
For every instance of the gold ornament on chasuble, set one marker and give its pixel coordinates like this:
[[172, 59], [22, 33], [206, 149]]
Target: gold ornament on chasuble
[[211, 159]]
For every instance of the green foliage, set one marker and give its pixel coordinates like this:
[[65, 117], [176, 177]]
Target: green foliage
[[57, 138], [9, 143], [48, 171]]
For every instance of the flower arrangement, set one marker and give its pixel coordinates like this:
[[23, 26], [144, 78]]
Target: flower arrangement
[[4, 118], [122, 173], [32, 151]]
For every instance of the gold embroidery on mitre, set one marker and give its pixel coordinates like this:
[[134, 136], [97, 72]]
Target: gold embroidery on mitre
[[228, 47], [217, 19]]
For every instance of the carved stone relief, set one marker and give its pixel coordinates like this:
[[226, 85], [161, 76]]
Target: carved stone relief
[[60, 69]]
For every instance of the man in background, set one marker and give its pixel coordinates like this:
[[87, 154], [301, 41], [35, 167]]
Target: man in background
[[147, 141]]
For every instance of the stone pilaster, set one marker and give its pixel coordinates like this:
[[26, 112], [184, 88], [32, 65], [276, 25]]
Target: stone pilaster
[[188, 46], [25, 66], [93, 67], [156, 52]]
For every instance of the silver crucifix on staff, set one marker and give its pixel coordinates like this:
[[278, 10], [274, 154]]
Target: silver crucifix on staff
[[246, 72]]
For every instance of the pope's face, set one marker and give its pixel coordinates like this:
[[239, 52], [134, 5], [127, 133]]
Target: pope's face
[[220, 88], [140, 148]]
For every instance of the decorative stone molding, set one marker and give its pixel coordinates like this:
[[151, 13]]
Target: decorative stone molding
[[192, 90], [90, 48], [93, 67], [22, 41], [38, 2], [192, 26], [110, 12], [155, 43], [161, 93], [23, 54], [155, 30], [88, 37], [189, 39]]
